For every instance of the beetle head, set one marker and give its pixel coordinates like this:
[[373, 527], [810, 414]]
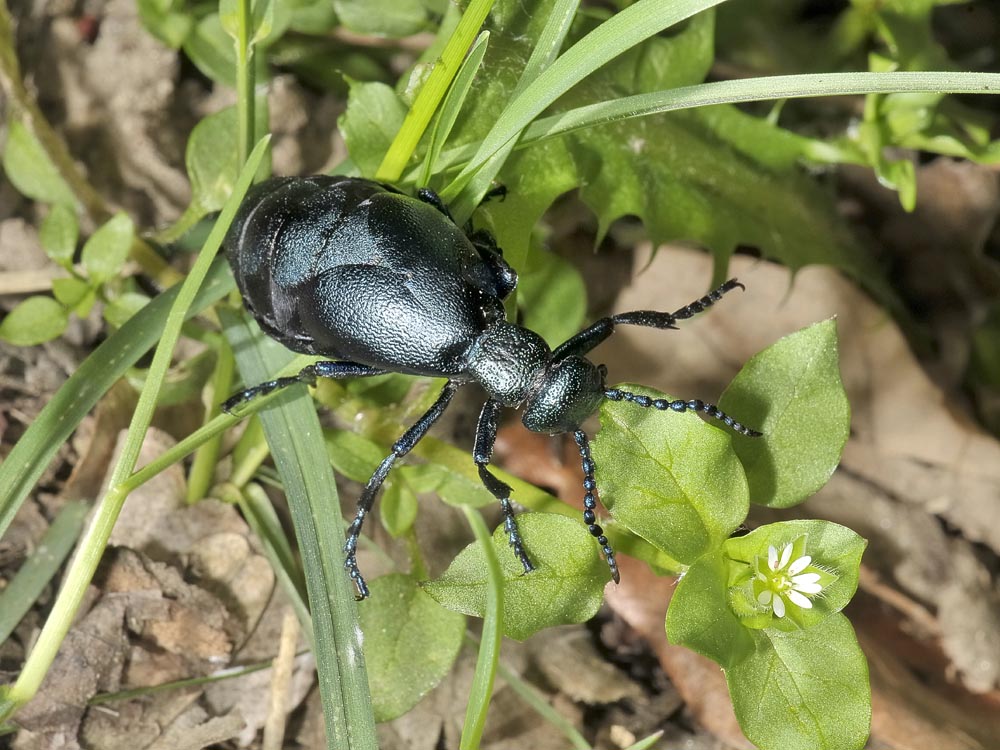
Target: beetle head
[[570, 391]]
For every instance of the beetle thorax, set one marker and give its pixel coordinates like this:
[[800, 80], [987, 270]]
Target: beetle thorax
[[508, 361]]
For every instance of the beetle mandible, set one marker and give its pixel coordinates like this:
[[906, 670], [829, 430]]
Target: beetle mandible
[[378, 281]]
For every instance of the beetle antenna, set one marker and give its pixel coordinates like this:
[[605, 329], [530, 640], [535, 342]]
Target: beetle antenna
[[616, 394], [590, 502]]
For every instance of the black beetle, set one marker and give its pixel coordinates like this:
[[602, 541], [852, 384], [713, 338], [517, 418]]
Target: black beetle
[[355, 270]]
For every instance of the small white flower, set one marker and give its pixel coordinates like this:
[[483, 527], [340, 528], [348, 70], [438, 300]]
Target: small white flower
[[780, 580]]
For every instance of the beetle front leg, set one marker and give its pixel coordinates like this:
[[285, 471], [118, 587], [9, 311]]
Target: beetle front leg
[[399, 449], [593, 335], [486, 435]]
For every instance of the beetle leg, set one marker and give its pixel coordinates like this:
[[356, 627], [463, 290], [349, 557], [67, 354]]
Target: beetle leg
[[486, 435], [432, 198], [694, 404], [492, 255], [399, 449], [590, 502], [307, 375], [590, 337]]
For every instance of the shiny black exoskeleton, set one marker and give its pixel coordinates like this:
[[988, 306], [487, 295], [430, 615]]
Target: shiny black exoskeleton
[[381, 282]]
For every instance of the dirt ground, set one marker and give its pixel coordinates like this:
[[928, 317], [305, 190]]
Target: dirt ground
[[186, 591]]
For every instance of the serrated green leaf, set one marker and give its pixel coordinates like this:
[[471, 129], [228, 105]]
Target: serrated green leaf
[[384, 18], [33, 321], [834, 549], [565, 587], [398, 506], [671, 478], [699, 616], [374, 115], [792, 393], [410, 643], [553, 297], [59, 234], [804, 690], [106, 250], [29, 169]]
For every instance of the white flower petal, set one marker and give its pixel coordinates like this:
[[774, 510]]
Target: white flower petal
[[779, 606], [806, 578], [764, 597], [799, 565], [796, 598], [807, 588], [786, 555], [772, 557]]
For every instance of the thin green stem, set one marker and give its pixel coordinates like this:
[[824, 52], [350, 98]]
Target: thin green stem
[[245, 81], [206, 457]]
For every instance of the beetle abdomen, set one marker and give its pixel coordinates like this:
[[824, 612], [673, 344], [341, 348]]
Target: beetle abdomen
[[350, 269]]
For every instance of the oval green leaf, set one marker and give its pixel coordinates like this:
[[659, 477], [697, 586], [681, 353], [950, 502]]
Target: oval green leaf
[[565, 587], [699, 616], [410, 643], [33, 321], [106, 250], [791, 392], [30, 170], [671, 478], [59, 234], [804, 690]]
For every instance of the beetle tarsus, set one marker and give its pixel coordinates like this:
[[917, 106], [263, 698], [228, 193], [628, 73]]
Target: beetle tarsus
[[590, 503]]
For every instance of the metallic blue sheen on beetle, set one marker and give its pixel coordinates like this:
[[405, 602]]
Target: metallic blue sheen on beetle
[[378, 281]]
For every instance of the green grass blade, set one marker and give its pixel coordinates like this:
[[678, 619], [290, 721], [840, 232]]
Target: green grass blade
[[433, 91], [97, 373], [293, 432], [489, 647], [453, 105], [759, 89], [619, 33], [36, 572]]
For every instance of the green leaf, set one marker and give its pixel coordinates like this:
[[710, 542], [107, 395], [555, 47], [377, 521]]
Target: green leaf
[[29, 169], [71, 292], [553, 297], [352, 455], [792, 393], [700, 618], [671, 478], [123, 307], [384, 18], [33, 321], [411, 643], [453, 486], [167, 20], [565, 587], [398, 506], [211, 50], [211, 160], [59, 234], [836, 554], [804, 690], [105, 252], [374, 114]]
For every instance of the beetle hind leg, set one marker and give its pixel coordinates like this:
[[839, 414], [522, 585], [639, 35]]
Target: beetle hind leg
[[307, 375]]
